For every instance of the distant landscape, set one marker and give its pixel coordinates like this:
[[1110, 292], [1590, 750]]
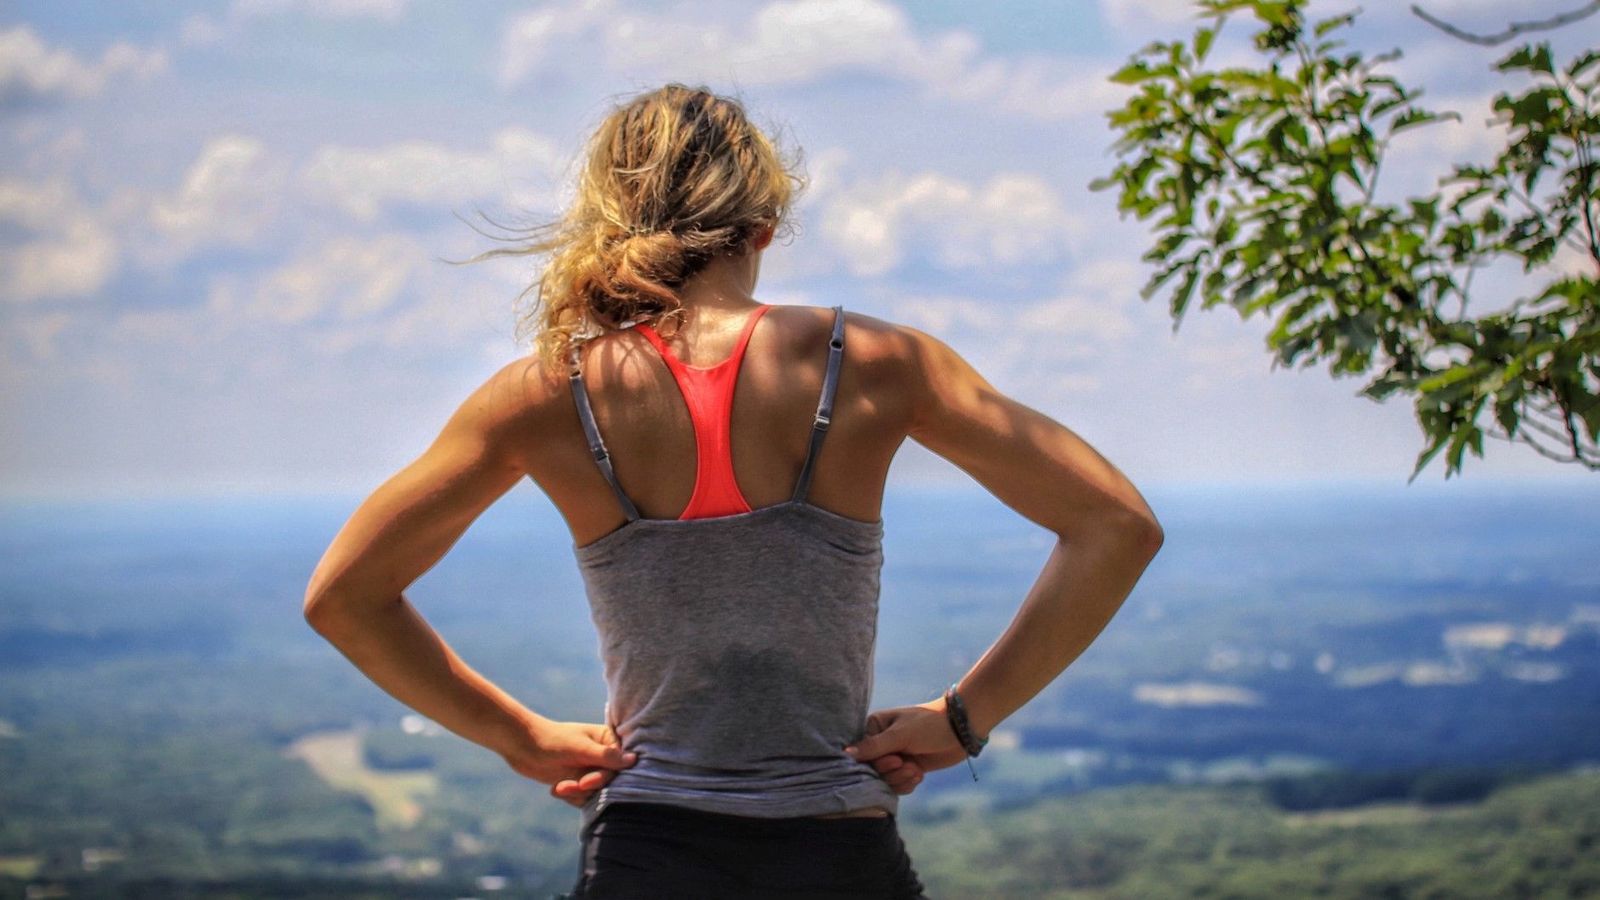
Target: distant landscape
[[1348, 690]]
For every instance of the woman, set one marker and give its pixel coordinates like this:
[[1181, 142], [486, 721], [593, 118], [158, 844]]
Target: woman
[[730, 540]]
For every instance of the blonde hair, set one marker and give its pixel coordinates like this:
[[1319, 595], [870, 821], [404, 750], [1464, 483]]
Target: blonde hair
[[672, 178]]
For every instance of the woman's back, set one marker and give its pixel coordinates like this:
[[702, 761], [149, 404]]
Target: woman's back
[[737, 638], [649, 434]]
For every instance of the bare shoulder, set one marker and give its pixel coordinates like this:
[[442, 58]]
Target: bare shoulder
[[520, 401], [874, 347], [919, 365]]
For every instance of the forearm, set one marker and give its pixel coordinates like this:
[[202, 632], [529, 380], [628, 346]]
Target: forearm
[[395, 647], [1082, 586]]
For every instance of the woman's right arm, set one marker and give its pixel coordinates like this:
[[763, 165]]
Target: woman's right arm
[[1105, 537]]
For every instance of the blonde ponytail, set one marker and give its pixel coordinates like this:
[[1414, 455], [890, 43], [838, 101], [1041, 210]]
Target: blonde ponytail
[[672, 179]]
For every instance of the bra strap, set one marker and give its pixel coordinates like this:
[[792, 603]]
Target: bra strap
[[596, 446], [830, 385]]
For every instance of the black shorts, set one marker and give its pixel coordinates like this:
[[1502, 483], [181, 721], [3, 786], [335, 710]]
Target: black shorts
[[665, 852]]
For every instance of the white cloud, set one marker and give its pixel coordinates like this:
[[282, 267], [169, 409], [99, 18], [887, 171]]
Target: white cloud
[[1013, 218], [345, 279], [801, 42], [1126, 13], [528, 37], [1079, 311], [345, 293], [68, 252], [1038, 87], [364, 181], [238, 189], [30, 69], [390, 10], [781, 43], [229, 194], [1063, 344]]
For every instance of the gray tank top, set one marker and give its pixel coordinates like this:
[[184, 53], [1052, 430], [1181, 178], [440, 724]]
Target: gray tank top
[[738, 649]]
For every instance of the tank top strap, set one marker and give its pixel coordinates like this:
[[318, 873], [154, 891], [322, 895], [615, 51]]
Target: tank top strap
[[597, 446], [708, 395], [830, 386], [679, 367]]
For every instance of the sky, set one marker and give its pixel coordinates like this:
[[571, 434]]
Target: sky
[[224, 226]]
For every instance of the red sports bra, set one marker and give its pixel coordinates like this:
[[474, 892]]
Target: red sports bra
[[708, 392]]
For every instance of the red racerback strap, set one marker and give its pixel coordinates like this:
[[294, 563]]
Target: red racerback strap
[[708, 392]]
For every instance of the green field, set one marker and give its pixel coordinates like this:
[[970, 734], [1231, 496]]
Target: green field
[[336, 758], [1531, 837], [1535, 839]]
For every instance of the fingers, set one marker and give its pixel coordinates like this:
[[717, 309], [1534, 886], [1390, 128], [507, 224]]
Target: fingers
[[576, 791], [873, 746], [877, 722], [604, 733], [884, 733], [902, 774], [904, 784], [888, 763], [610, 756]]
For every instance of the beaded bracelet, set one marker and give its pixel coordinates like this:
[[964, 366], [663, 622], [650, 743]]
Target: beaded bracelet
[[956, 712]]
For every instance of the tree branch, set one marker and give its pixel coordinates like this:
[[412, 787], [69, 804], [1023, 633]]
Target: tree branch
[[1541, 450], [1513, 30], [1565, 430]]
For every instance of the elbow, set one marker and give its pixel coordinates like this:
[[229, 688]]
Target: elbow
[[1141, 531], [327, 597], [315, 612], [1149, 536], [1137, 531], [319, 610], [332, 613]]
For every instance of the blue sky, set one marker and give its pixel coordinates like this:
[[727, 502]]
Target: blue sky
[[220, 224]]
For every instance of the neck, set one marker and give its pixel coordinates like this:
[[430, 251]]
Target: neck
[[726, 284]]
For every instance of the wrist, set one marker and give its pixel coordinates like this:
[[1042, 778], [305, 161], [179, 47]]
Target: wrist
[[521, 736], [978, 716], [956, 716]]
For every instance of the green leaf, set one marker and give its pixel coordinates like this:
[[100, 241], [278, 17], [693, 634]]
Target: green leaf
[[1132, 73], [1382, 387], [1447, 378], [1180, 298], [1506, 414], [1582, 63], [1590, 414], [1458, 444], [1427, 454], [1533, 57], [1202, 42], [1409, 117], [1327, 25]]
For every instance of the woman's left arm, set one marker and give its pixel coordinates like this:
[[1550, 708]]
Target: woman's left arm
[[355, 598]]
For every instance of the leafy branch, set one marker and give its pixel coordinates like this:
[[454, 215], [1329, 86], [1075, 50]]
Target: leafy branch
[[1262, 183], [1512, 30]]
